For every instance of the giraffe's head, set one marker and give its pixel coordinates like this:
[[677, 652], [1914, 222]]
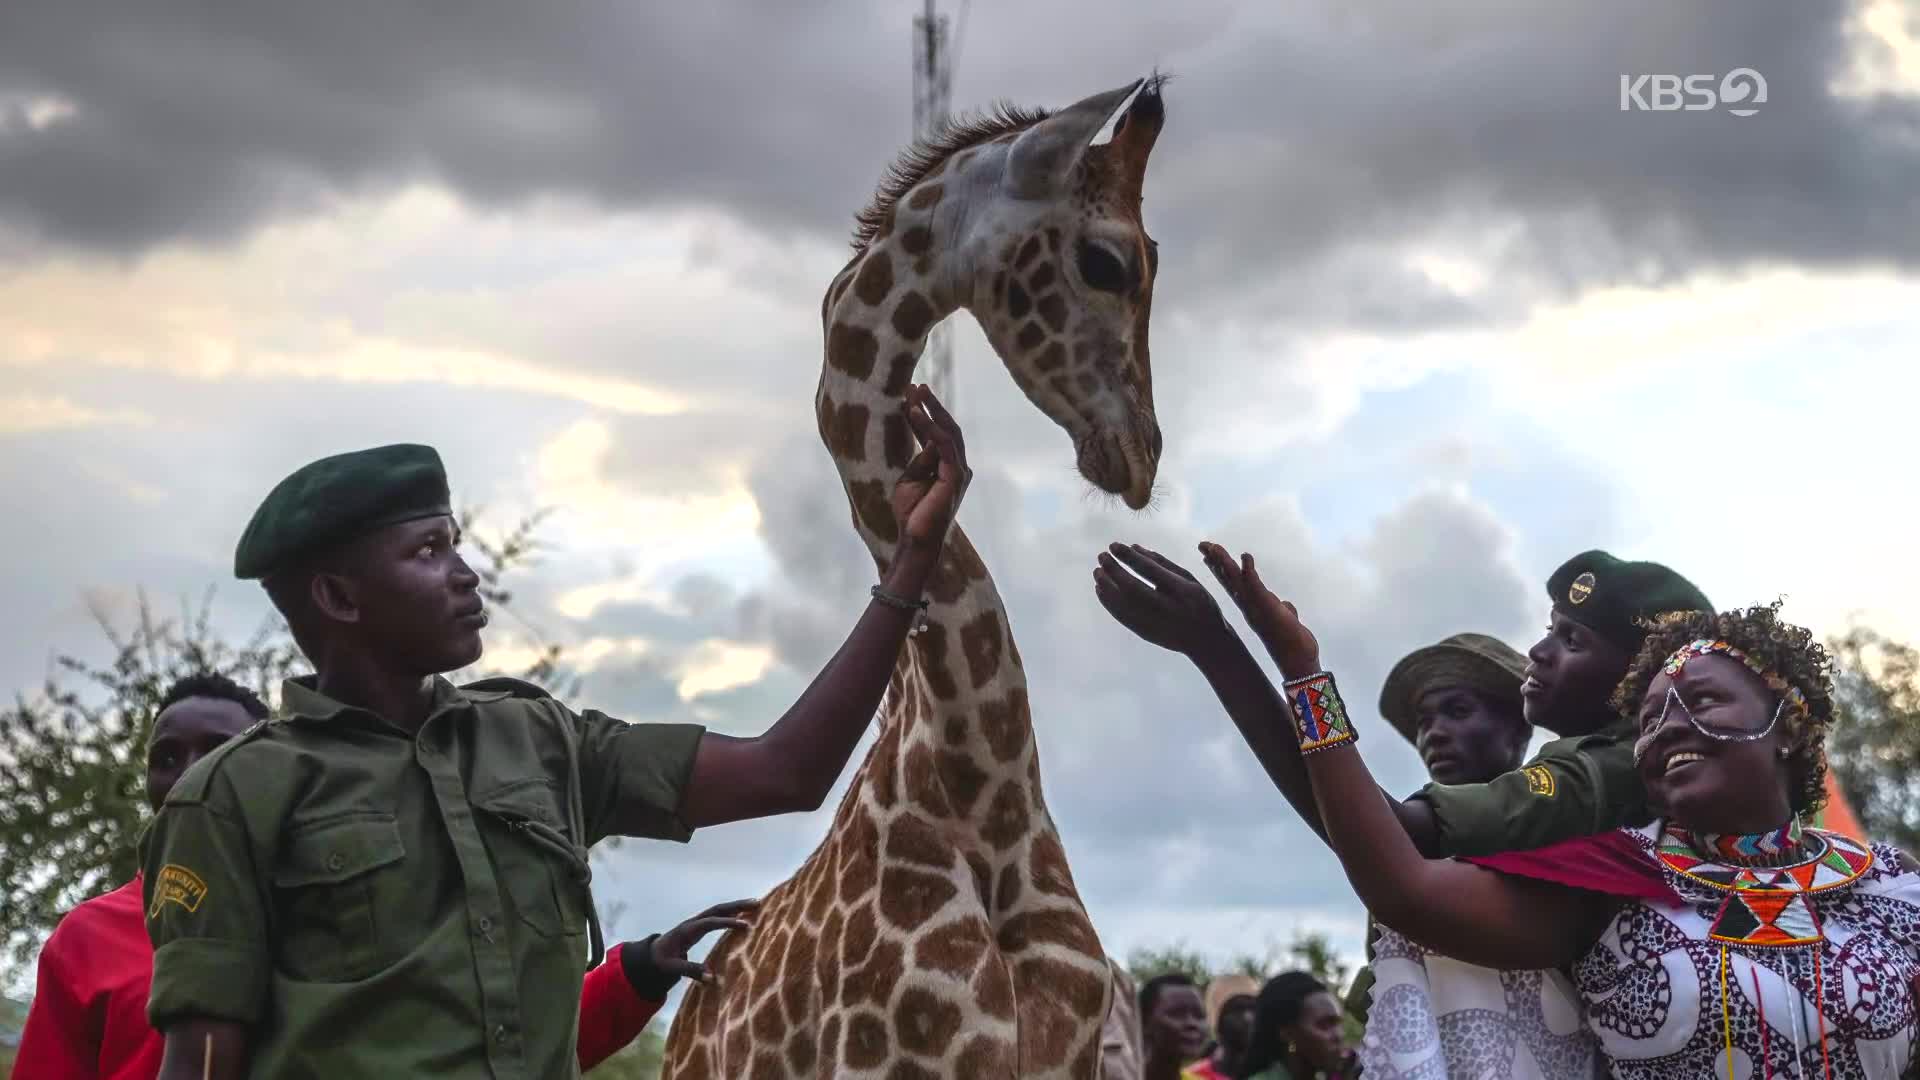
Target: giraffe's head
[[1062, 273], [1021, 219]]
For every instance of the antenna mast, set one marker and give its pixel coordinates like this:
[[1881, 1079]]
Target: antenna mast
[[932, 85]]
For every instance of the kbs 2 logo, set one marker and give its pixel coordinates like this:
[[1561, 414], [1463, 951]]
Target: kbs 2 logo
[[1741, 91]]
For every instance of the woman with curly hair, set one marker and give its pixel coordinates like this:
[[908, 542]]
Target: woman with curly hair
[[1752, 946]]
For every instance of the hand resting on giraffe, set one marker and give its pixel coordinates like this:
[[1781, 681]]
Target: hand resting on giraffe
[[928, 494]]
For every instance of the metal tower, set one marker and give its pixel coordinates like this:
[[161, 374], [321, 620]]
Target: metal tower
[[932, 85]]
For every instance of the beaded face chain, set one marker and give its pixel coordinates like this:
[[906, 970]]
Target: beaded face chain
[[1789, 693]]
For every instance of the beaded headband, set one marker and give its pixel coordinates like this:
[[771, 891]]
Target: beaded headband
[[1789, 693]]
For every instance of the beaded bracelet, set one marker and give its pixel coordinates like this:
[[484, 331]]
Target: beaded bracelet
[[1320, 717], [893, 600]]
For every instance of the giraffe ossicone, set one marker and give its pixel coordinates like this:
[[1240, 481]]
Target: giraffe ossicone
[[936, 931]]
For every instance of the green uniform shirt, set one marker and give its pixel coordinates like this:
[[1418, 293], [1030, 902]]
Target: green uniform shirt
[[1573, 787], [372, 903]]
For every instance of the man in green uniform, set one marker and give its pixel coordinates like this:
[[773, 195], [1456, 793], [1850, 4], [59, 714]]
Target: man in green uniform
[[390, 879], [1579, 784]]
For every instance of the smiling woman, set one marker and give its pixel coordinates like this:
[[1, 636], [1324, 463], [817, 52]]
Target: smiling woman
[[1726, 938]]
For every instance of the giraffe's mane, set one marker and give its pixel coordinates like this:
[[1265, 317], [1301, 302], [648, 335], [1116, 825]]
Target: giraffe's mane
[[926, 154]]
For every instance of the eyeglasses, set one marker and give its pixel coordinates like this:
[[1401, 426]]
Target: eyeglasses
[[1711, 731]]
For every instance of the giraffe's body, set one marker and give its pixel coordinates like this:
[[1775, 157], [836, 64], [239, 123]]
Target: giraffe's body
[[937, 931]]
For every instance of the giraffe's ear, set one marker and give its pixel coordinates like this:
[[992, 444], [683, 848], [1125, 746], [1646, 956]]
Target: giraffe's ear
[[1043, 157]]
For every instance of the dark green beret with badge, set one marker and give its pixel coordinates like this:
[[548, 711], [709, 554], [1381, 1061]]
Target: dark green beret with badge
[[338, 498], [1486, 665], [1608, 596]]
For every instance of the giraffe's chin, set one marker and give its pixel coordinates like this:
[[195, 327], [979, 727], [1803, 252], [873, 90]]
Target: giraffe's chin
[[1108, 465]]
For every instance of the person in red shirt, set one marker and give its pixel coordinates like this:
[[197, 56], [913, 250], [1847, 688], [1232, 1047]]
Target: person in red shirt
[[88, 1020]]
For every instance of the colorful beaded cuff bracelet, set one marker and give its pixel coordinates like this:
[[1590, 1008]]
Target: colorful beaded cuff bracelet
[[1319, 716]]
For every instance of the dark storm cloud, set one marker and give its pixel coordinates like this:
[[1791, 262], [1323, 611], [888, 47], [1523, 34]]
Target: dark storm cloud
[[1299, 135]]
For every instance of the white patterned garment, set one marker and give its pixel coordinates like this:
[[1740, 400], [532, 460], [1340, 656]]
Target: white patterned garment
[[1435, 1018], [1666, 1000]]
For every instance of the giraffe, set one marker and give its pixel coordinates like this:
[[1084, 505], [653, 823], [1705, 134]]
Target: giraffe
[[936, 931]]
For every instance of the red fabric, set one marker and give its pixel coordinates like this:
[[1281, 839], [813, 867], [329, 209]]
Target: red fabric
[[88, 1020], [611, 1013], [1611, 863]]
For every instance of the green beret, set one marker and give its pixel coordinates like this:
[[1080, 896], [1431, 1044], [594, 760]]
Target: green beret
[[1608, 595], [337, 499], [1476, 662]]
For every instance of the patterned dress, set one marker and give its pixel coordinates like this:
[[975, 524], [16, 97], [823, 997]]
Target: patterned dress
[[1722, 983], [1435, 1018], [1802, 969]]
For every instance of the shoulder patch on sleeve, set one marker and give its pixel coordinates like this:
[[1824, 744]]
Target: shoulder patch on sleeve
[[501, 684], [192, 785], [1539, 780], [176, 884]]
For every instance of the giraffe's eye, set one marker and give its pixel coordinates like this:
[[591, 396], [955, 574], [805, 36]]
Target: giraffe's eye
[[1101, 270]]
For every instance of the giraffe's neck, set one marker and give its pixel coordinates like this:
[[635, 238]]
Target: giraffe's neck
[[962, 674]]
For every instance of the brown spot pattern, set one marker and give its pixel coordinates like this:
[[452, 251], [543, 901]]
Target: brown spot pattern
[[1018, 302], [932, 643], [768, 1027], [908, 898], [916, 240], [924, 785], [1052, 357], [896, 440], [875, 980], [874, 509], [1047, 866], [1054, 310], [866, 1041], [985, 1056], [852, 349], [861, 932], [993, 989], [796, 973], [982, 877], [801, 1053], [844, 429], [912, 316], [1031, 335], [1029, 251], [962, 779], [875, 280], [1009, 891], [882, 777], [1041, 277], [912, 838], [1062, 994], [925, 1024], [952, 949], [980, 643], [899, 375], [1007, 724], [1007, 816]]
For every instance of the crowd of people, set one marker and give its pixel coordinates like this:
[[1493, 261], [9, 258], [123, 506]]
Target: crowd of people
[[1646, 896]]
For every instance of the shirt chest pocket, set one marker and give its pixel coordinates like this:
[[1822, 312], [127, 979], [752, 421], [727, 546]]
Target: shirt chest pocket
[[533, 859], [327, 889]]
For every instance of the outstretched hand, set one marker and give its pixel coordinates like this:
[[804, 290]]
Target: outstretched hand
[[1164, 604], [670, 949], [1276, 621], [928, 494]]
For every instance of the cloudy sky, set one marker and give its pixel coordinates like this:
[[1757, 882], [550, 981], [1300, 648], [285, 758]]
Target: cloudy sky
[[1434, 313]]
